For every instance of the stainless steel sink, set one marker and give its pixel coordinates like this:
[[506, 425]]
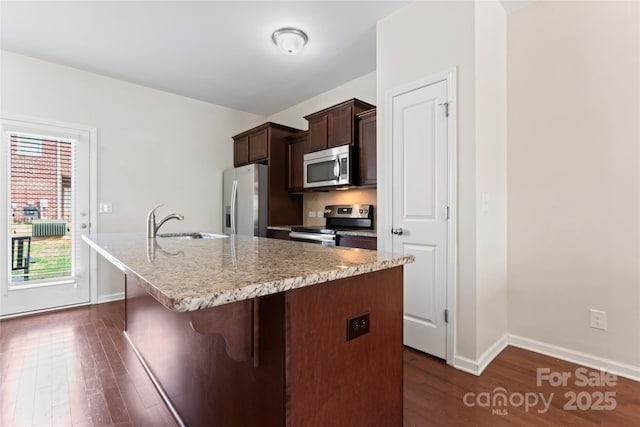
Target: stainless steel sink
[[193, 235]]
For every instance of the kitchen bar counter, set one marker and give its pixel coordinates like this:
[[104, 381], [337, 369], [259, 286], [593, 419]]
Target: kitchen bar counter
[[243, 331], [192, 274]]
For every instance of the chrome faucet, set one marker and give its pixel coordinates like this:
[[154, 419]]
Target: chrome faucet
[[152, 227]]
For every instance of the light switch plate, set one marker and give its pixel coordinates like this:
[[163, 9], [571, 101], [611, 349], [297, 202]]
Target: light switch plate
[[105, 207]]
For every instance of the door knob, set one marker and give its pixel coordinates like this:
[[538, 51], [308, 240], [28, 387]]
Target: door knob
[[397, 231]]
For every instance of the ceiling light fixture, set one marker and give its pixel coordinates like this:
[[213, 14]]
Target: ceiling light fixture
[[290, 40]]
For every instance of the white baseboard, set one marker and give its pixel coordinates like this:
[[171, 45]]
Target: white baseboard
[[621, 369], [476, 367], [111, 297]]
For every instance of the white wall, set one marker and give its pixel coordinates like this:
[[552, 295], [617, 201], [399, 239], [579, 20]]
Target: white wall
[[574, 175], [418, 40], [363, 88], [491, 173], [425, 38], [153, 147]]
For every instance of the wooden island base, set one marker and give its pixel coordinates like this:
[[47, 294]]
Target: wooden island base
[[277, 360]]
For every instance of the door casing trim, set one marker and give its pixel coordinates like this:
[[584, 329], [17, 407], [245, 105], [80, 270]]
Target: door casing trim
[[385, 190], [23, 120]]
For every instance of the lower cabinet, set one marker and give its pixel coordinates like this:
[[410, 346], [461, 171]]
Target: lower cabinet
[[358, 242], [278, 234]]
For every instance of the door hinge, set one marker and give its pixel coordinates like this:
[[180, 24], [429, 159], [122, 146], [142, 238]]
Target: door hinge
[[446, 212], [446, 316], [446, 108]]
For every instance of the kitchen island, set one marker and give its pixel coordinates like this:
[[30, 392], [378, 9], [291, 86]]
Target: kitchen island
[[239, 331]]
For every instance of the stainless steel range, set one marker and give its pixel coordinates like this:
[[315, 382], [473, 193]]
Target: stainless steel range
[[338, 218]]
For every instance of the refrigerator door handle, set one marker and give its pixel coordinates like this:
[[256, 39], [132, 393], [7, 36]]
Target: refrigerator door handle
[[234, 197]]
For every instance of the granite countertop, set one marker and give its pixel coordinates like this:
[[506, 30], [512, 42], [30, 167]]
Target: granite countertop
[[361, 233], [188, 275]]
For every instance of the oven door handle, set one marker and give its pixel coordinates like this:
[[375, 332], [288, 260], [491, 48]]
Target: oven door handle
[[312, 236]]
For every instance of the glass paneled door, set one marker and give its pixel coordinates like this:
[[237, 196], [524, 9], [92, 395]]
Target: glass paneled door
[[45, 171]]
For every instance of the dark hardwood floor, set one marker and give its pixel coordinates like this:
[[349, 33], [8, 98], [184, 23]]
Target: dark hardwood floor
[[75, 368]]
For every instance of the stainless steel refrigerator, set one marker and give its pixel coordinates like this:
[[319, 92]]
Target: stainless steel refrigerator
[[245, 200]]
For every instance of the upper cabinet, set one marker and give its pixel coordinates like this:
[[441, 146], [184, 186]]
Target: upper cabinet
[[268, 144], [241, 150], [299, 144], [367, 168], [258, 145], [335, 125]]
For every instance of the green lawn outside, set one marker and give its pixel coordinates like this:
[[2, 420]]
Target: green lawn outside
[[52, 256]]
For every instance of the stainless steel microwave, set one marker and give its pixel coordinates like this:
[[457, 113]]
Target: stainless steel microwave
[[330, 167]]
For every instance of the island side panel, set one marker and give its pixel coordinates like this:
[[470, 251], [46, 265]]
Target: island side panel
[[332, 381], [202, 381]]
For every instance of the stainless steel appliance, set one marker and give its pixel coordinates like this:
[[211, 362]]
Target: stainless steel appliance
[[245, 200], [330, 167], [338, 218]]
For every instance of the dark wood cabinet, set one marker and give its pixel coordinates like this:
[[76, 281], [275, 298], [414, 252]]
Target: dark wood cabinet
[[335, 125], [278, 234], [241, 151], [298, 145], [268, 144], [259, 146], [358, 242], [277, 360], [317, 133], [367, 167], [340, 128]]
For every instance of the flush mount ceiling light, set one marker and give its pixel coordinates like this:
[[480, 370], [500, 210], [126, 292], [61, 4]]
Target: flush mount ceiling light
[[290, 40]]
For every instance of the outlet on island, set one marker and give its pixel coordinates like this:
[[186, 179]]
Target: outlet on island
[[357, 326]]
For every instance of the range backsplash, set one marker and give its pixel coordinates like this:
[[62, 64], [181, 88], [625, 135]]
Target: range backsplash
[[315, 202]]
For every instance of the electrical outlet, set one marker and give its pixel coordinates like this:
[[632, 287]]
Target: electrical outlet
[[320, 214], [357, 326], [312, 214], [598, 319]]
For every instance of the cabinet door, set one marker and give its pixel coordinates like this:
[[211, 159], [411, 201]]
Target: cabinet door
[[297, 150], [258, 146], [241, 151], [340, 126], [317, 133], [278, 234], [358, 242], [367, 174]]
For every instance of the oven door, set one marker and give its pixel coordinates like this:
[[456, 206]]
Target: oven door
[[323, 239], [327, 168]]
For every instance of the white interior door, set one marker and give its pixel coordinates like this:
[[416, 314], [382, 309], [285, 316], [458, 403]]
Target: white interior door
[[420, 211], [45, 193]]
